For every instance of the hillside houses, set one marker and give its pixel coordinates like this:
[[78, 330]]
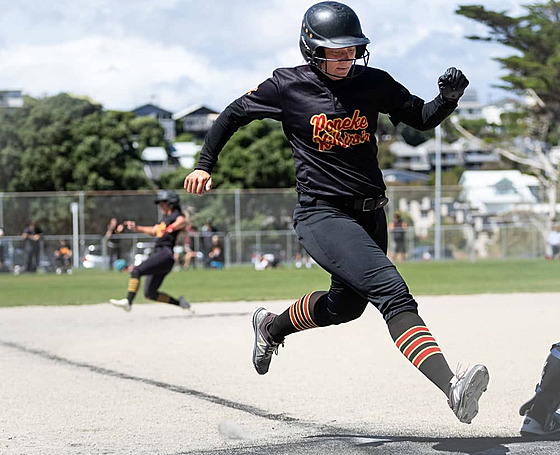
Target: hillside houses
[[422, 158], [195, 120]]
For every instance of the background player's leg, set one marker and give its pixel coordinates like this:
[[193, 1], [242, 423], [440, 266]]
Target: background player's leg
[[133, 285], [151, 265], [151, 290]]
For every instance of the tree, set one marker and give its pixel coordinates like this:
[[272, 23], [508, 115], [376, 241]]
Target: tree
[[534, 71], [65, 143], [257, 156]]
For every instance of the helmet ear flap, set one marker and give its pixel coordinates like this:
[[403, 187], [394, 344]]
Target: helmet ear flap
[[360, 51]]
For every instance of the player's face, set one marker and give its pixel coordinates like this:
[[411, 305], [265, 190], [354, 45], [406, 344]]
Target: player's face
[[164, 206], [339, 61]]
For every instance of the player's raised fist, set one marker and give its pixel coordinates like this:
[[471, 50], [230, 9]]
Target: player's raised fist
[[452, 84]]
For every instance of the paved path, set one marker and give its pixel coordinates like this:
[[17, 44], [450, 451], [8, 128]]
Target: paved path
[[96, 380]]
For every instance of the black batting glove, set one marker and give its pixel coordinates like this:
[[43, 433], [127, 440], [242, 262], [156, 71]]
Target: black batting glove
[[452, 85]]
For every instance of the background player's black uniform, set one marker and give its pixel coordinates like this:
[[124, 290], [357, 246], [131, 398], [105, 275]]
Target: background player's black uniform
[[161, 261]]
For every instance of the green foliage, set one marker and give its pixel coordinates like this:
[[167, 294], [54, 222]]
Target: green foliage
[[449, 178], [535, 37], [174, 180], [257, 156], [65, 143], [185, 137]]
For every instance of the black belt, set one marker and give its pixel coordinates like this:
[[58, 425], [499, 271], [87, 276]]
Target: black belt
[[358, 205]]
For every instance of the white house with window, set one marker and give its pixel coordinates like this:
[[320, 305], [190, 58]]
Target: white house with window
[[11, 99], [495, 192]]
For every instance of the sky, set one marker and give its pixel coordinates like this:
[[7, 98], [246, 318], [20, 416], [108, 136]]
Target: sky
[[179, 53]]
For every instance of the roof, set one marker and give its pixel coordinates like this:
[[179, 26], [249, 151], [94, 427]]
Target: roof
[[194, 109], [149, 109], [180, 149], [497, 191], [489, 178], [402, 176], [154, 154]]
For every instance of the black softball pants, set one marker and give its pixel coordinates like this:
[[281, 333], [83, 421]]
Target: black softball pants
[[156, 267], [351, 245]]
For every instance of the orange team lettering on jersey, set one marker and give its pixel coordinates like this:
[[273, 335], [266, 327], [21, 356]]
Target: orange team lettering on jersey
[[330, 132], [160, 229]]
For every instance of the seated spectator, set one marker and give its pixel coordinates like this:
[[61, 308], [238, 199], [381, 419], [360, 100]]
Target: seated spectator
[[266, 261], [216, 254], [62, 258]]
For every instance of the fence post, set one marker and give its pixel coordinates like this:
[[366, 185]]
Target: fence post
[[289, 253], [472, 250], [227, 250], [238, 226], [82, 218], [504, 241], [75, 234], [1, 209]]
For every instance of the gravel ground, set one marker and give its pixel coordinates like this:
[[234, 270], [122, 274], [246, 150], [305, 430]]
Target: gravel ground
[[96, 380]]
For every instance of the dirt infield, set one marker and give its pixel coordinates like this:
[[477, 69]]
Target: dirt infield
[[96, 380]]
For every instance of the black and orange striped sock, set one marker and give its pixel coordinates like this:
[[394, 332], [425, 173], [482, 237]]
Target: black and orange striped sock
[[299, 316], [417, 344], [133, 284], [166, 298]]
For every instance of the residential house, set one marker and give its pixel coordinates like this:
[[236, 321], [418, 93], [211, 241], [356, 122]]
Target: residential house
[[165, 118], [196, 119], [422, 158], [11, 99], [497, 192], [469, 107], [185, 153], [156, 162], [404, 177]]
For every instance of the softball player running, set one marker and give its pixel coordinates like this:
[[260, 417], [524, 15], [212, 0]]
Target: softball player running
[[329, 109], [160, 263]]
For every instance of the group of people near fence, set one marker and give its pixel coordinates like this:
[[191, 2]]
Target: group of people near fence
[[187, 252]]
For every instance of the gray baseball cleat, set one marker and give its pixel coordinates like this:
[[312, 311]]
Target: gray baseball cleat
[[183, 303], [466, 390], [264, 346], [531, 426]]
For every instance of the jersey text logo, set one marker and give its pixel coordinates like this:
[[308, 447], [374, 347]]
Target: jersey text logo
[[327, 133]]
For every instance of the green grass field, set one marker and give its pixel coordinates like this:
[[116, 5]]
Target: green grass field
[[244, 283]]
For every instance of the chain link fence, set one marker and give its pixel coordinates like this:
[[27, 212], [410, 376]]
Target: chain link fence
[[248, 223]]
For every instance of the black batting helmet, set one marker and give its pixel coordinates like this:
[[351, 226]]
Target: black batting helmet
[[333, 25], [169, 196]]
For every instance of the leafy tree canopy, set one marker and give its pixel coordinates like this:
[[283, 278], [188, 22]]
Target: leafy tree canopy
[[535, 36], [69, 143], [257, 156]]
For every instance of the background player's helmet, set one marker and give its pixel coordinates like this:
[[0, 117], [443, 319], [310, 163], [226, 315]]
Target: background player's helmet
[[333, 25], [169, 196]]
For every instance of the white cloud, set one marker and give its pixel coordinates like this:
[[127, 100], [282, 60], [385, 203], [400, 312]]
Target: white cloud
[[183, 52], [118, 72]]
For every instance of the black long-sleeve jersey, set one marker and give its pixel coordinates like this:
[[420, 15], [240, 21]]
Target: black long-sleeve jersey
[[167, 239], [330, 125]]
